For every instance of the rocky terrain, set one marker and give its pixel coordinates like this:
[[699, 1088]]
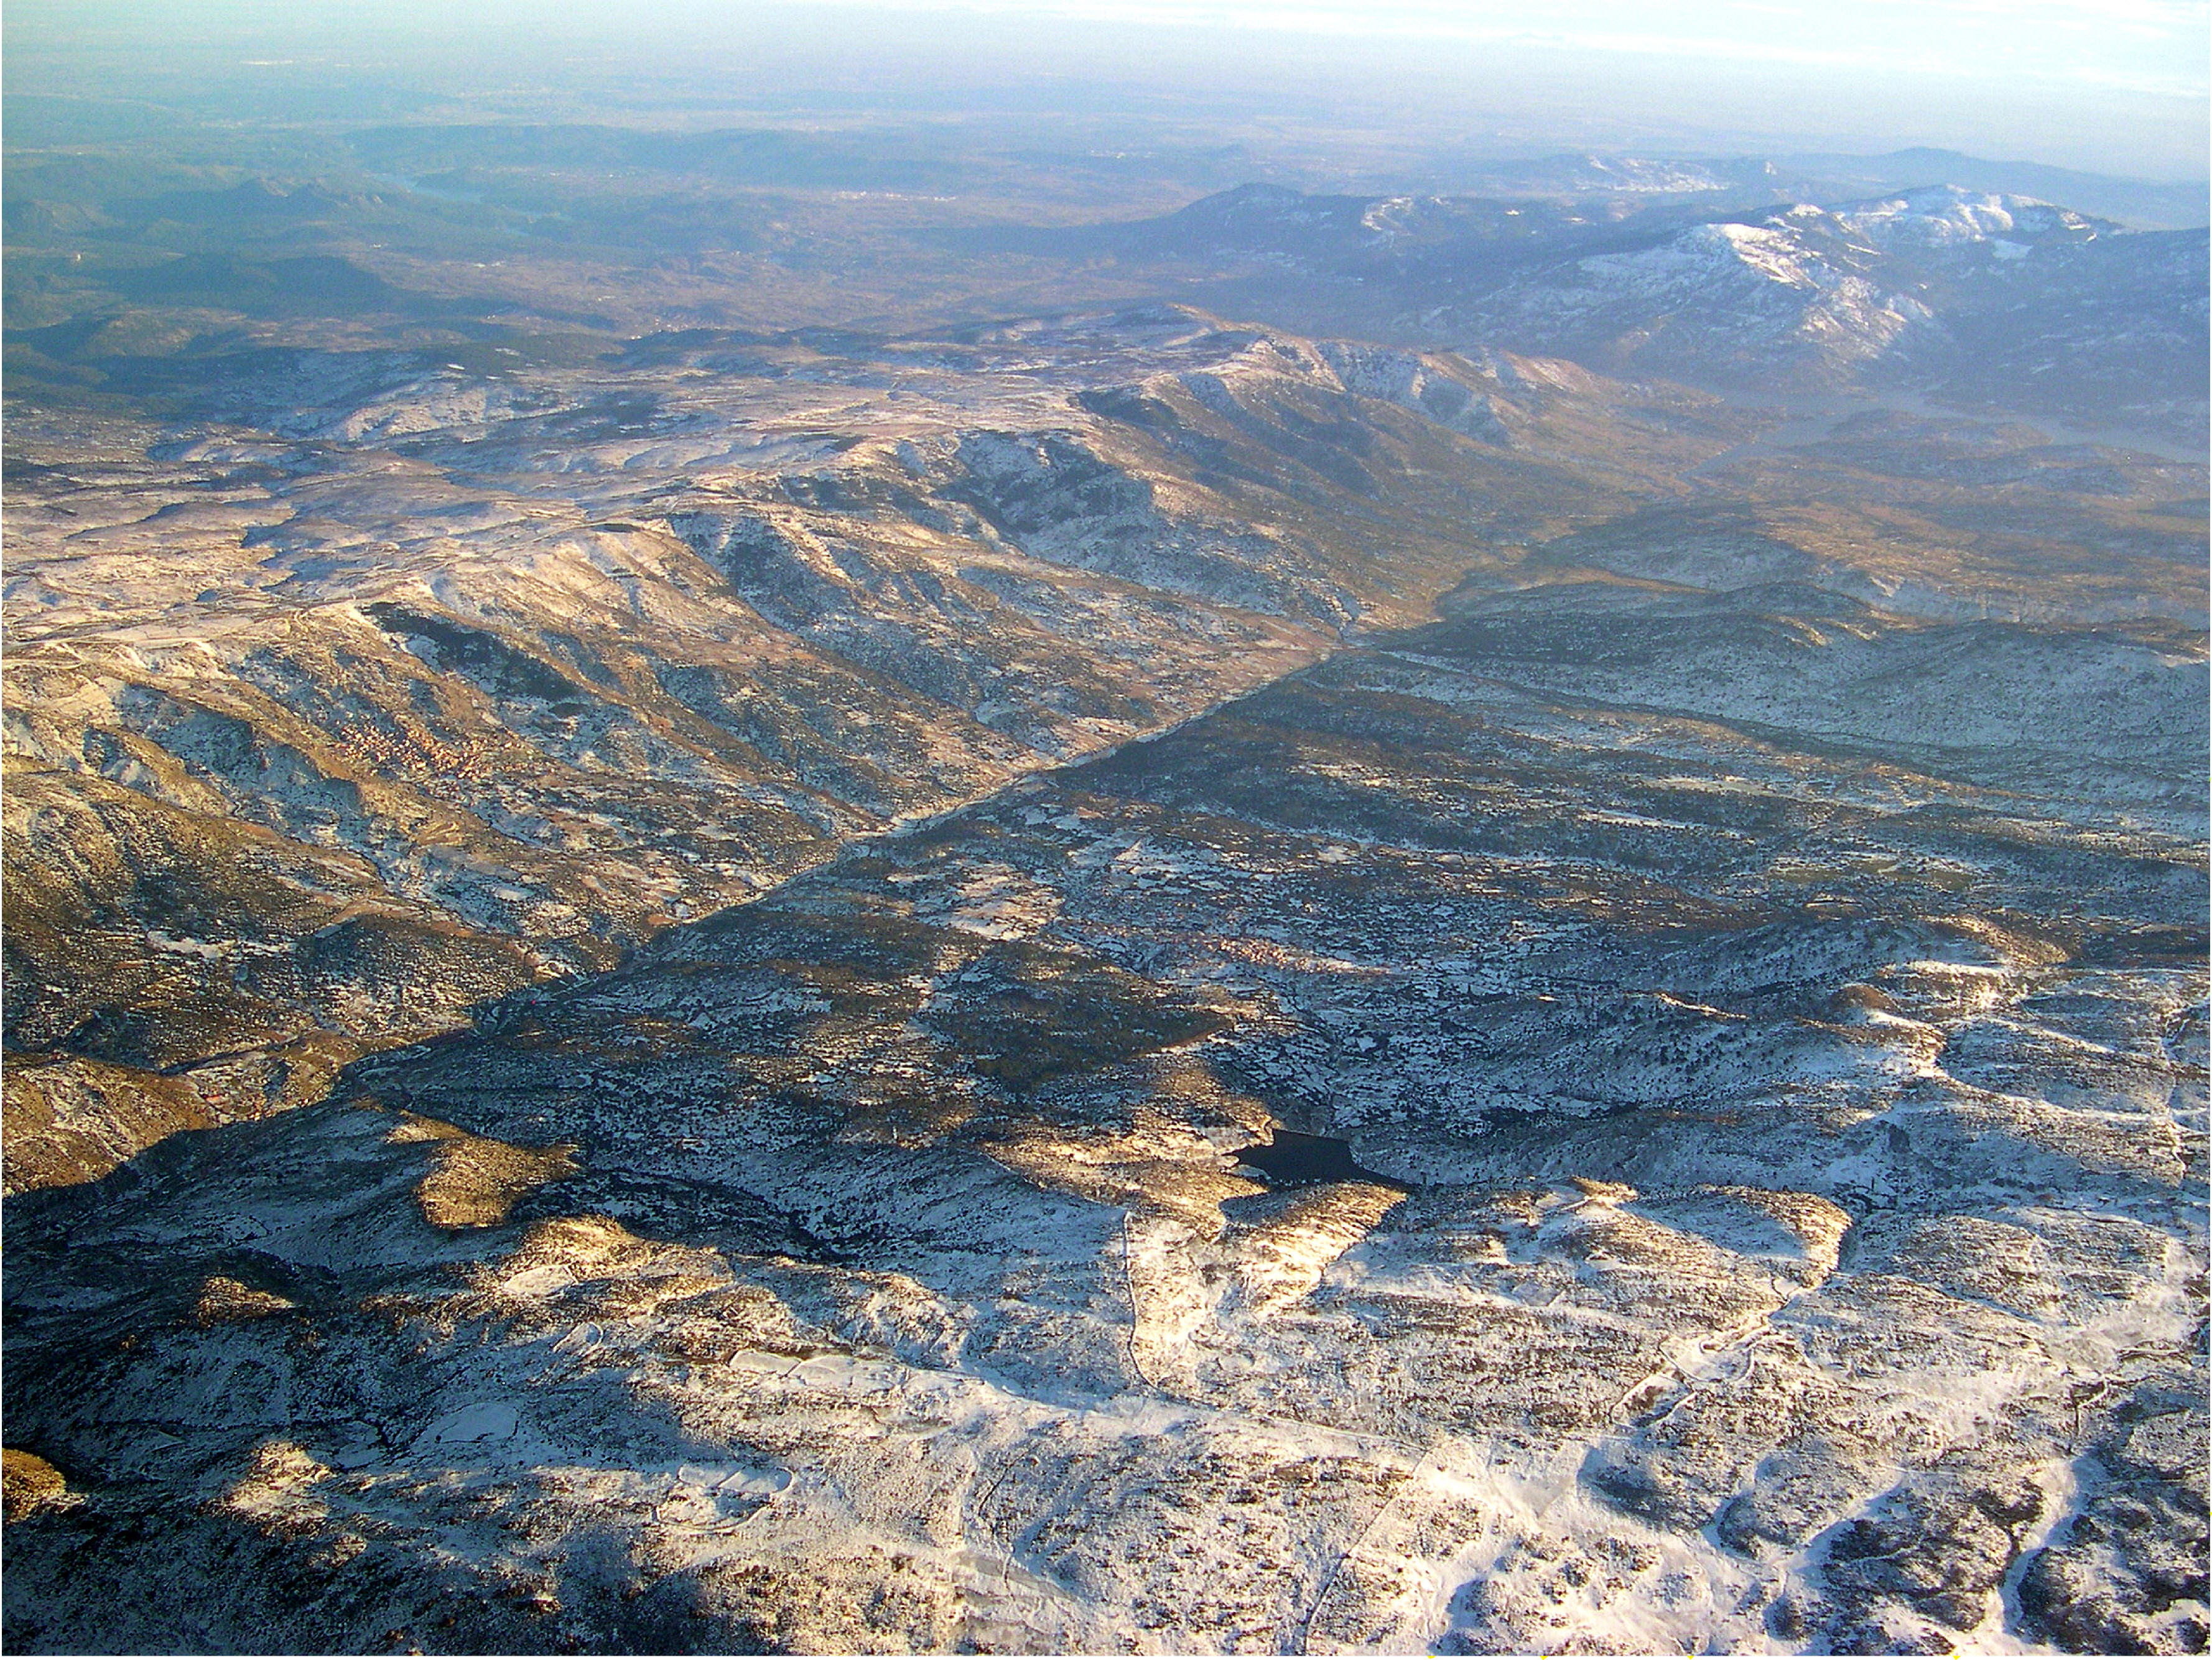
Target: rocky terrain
[[1110, 979], [328, 728]]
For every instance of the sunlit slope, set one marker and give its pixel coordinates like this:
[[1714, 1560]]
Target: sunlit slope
[[317, 740]]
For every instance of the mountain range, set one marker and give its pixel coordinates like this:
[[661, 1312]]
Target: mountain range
[[1976, 298]]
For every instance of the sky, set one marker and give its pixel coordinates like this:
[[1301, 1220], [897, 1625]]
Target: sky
[[2115, 86], [2155, 46]]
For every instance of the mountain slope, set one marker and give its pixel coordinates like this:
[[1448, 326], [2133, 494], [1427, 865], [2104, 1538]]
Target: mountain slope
[[470, 724], [1766, 1207]]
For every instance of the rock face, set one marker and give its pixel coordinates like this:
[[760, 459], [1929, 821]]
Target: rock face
[[638, 1004]]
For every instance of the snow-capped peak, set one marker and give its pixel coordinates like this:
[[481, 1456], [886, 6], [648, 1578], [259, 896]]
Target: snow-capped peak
[[1947, 214]]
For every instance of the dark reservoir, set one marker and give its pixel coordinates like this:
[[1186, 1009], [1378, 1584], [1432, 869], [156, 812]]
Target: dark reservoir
[[1293, 1160]]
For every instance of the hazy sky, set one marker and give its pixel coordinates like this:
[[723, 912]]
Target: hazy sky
[[2117, 85], [2157, 47], [2113, 85]]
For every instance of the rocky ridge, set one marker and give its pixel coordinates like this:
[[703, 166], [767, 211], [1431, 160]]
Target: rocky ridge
[[360, 712]]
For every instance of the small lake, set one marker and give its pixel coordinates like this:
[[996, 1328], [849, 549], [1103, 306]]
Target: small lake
[[1293, 1160]]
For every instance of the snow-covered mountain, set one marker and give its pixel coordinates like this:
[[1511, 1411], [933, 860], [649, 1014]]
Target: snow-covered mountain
[[1813, 295], [1745, 181], [1998, 301]]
